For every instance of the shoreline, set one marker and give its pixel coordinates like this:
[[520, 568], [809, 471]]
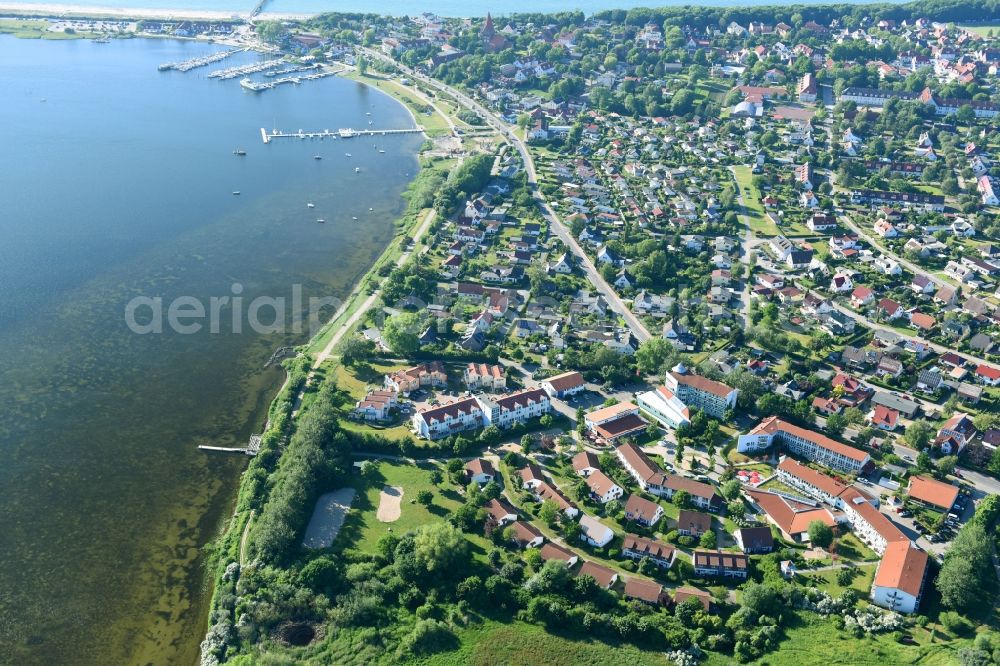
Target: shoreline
[[341, 322], [61, 11]]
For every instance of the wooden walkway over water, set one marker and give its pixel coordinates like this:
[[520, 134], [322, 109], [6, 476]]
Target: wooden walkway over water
[[251, 449]]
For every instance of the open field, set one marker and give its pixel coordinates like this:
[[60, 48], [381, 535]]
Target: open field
[[362, 529], [982, 30], [494, 644], [815, 641], [357, 379], [756, 217], [29, 29]]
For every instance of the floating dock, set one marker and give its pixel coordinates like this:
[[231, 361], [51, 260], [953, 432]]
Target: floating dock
[[243, 70], [343, 133], [193, 63], [260, 86]]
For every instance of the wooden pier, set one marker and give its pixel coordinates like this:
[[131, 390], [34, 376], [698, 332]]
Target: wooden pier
[[258, 8], [344, 133], [251, 449]]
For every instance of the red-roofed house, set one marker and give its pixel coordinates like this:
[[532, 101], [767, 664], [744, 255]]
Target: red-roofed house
[[602, 488], [883, 418], [636, 547], [642, 511], [480, 470], [932, 492], [564, 385], [862, 296], [988, 375]]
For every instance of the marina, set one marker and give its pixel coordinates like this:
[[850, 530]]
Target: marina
[[193, 63], [260, 86], [343, 133], [243, 70]]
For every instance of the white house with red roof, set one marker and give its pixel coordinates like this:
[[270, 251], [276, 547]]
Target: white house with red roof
[[988, 375], [900, 577], [883, 418], [862, 296]]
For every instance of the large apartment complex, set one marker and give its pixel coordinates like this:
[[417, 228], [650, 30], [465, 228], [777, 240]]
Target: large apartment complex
[[902, 570], [710, 396], [806, 443], [480, 411]]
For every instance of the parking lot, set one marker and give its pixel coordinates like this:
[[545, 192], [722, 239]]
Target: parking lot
[[905, 520]]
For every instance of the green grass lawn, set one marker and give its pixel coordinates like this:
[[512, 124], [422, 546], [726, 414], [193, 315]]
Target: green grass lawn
[[34, 29], [814, 640], [779, 487], [827, 580], [434, 123], [495, 644], [356, 379], [982, 30], [756, 217], [850, 547], [362, 529]]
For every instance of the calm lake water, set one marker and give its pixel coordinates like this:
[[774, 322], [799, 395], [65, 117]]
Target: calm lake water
[[439, 7], [116, 182]]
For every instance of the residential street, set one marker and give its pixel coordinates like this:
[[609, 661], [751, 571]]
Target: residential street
[[902, 261], [940, 349], [593, 276]]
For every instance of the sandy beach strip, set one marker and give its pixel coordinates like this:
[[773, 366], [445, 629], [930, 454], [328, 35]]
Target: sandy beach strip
[[48, 10]]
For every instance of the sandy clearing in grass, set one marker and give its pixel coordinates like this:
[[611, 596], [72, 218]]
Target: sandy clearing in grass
[[328, 517], [389, 504]]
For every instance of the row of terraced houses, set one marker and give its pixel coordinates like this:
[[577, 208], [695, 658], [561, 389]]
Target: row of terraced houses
[[479, 411]]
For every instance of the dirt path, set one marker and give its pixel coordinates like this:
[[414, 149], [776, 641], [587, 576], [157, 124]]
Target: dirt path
[[368, 302], [243, 539], [390, 502]]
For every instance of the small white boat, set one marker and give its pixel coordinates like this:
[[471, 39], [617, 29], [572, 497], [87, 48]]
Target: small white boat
[[370, 209], [320, 220], [317, 157], [310, 205], [368, 113], [357, 169], [382, 151], [236, 193], [347, 154], [354, 217]]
